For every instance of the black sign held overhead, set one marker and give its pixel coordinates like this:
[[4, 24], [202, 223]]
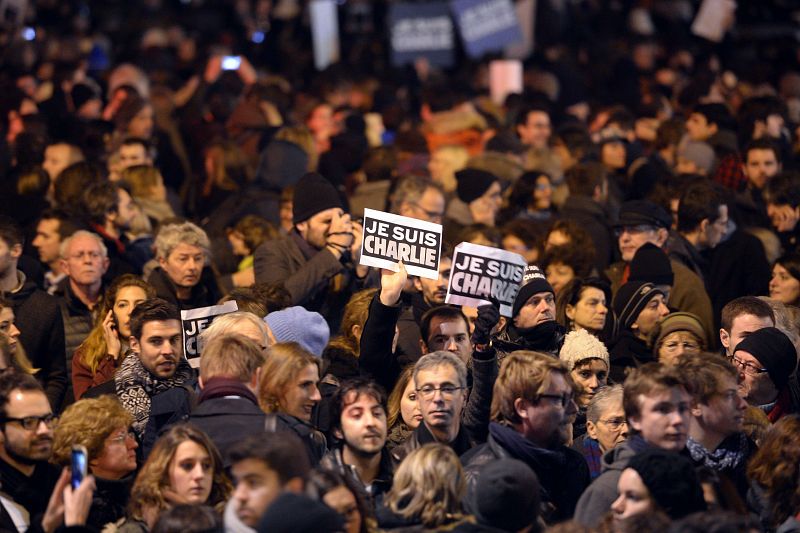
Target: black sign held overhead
[[389, 239], [421, 30]]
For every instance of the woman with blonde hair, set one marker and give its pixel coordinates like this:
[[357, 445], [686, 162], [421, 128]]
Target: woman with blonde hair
[[99, 356], [183, 468], [403, 412], [102, 426], [427, 490], [289, 391]]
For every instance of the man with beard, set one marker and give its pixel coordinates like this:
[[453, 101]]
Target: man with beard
[[533, 325], [324, 244], [532, 406], [26, 443], [146, 379], [359, 417]]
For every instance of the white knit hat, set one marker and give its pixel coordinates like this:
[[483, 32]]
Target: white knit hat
[[580, 345]]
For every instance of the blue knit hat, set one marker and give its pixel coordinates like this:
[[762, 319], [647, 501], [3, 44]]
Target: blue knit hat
[[297, 324]]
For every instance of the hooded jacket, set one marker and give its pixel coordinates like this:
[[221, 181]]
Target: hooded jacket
[[547, 337], [596, 500], [38, 317]]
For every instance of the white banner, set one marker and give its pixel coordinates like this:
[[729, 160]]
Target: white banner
[[390, 238], [194, 322], [482, 275]]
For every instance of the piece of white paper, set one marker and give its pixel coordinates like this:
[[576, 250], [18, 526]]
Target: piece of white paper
[[388, 238], [482, 272], [194, 322], [713, 19], [505, 77], [325, 32]]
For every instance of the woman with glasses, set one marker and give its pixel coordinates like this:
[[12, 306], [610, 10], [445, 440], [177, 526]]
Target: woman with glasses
[[99, 356], [606, 427], [678, 334], [101, 425]]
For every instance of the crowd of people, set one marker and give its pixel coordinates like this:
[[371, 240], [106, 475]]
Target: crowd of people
[[164, 156]]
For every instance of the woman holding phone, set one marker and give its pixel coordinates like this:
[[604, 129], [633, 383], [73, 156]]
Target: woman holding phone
[[99, 356]]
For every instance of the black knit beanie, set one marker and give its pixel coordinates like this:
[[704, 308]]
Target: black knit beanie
[[651, 264], [312, 194], [671, 480], [533, 281], [472, 183], [774, 351], [297, 513], [506, 496], [631, 298]]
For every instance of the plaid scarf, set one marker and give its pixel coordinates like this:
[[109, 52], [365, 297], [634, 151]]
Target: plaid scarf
[[135, 385]]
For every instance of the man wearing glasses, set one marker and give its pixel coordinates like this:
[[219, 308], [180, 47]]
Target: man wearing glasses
[[441, 382], [716, 440], [767, 360], [26, 427], [532, 409]]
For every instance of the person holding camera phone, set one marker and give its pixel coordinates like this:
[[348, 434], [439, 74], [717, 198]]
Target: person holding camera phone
[[99, 356]]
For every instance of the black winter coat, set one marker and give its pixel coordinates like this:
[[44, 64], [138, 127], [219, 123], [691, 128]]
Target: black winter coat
[[38, 317]]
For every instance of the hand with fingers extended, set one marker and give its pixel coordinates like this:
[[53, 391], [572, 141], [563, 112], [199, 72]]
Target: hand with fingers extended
[[487, 319], [78, 502], [392, 284]]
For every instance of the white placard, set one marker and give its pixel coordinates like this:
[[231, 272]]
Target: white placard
[[325, 32], [713, 19], [505, 77], [389, 238], [482, 274], [194, 322]]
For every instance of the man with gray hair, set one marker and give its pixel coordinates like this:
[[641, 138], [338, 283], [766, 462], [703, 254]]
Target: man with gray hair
[[440, 379], [419, 198], [183, 276], [84, 259]]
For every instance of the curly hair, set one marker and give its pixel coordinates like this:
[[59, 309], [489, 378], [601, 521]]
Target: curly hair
[[428, 486], [775, 466], [88, 422], [94, 349], [153, 479]]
